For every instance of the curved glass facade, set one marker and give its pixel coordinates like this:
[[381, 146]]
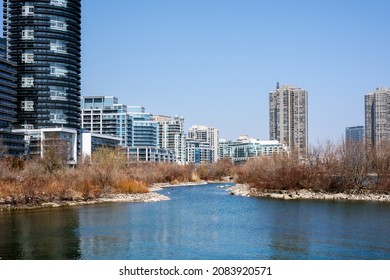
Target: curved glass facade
[[43, 39]]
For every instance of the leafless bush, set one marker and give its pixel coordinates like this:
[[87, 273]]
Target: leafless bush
[[329, 167]]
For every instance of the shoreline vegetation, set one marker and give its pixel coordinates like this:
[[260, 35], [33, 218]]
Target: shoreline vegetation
[[330, 172], [106, 177], [246, 190]]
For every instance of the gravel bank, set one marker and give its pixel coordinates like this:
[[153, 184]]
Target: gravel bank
[[245, 190], [143, 197]]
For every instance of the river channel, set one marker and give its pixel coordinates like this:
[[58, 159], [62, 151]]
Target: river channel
[[200, 223]]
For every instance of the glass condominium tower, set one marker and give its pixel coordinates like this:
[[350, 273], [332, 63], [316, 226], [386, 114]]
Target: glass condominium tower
[[44, 41]]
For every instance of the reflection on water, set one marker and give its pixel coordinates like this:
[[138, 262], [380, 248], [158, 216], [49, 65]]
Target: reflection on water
[[201, 222], [39, 234]]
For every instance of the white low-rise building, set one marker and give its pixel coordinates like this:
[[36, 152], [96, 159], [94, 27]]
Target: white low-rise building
[[246, 147]]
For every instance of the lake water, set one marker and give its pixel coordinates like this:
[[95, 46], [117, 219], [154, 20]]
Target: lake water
[[200, 222]]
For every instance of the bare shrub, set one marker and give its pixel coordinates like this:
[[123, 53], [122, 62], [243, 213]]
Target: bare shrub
[[55, 153], [220, 169], [160, 172], [354, 165], [108, 165], [287, 171]]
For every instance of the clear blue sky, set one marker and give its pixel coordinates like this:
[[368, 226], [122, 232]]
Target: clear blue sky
[[215, 61]]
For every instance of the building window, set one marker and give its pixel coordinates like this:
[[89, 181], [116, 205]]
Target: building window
[[58, 93], [27, 126], [28, 34], [58, 70], [57, 117], [57, 46], [27, 58], [27, 82], [59, 3], [27, 106], [27, 11], [58, 24]]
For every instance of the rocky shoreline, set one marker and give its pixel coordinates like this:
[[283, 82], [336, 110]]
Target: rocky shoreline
[[160, 186], [245, 190], [238, 189], [151, 196], [139, 197]]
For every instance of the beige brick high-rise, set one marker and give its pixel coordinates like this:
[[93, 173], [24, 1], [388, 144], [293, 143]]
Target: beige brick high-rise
[[377, 116], [288, 117]]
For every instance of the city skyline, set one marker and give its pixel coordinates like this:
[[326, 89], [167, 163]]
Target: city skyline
[[224, 57]]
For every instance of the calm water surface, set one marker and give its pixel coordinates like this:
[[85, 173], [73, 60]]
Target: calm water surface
[[200, 222]]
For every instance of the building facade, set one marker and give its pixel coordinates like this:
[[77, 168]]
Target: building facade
[[377, 116], [7, 90], [61, 140], [208, 135], [10, 143], [144, 136], [288, 118], [172, 136], [354, 134], [145, 130], [43, 40], [198, 152], [150, 154], [90, 142], [104, 115], [246, 148]]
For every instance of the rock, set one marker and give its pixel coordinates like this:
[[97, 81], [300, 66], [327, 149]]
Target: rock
[[240, 190], [276, 195], [341, 196], [50, 204], [304, 193], [328, 196], [287, 197]]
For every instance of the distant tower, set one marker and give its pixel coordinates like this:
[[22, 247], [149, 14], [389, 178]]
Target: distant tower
[[377, 116], [288, 117], [43, 39]]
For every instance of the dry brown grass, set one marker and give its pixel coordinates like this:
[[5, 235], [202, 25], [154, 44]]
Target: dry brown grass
[[131, 186]]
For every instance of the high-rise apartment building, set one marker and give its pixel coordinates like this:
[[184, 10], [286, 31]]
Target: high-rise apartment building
[[288, 117], [43, 40], [377, 116], [208, 135], [10, 143], [104, 115], [172, 135], [7, 90], [145, 130]]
